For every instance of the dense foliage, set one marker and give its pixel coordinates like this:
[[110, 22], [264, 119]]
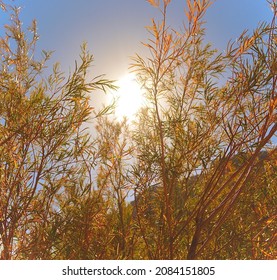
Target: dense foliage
[[193, 177]]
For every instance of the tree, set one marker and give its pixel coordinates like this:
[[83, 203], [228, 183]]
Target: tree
[[249, 231], [198, 160], [194, 126], [44, 143], [115, 151]]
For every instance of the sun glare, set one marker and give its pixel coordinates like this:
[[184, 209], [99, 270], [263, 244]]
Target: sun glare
[[128, 97]]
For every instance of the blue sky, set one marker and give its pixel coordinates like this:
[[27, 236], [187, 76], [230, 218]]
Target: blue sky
[[115, 28]]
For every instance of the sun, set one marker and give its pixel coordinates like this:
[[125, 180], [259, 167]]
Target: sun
[[128, 96]]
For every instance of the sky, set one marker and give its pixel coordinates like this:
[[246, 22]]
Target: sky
[[114, 29]]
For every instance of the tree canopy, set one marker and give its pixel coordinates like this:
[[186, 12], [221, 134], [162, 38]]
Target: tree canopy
[[192, 177]]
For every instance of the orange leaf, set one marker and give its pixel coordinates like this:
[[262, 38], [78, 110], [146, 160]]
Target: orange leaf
[[154, 3]]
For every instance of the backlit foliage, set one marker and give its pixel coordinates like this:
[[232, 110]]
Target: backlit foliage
[[193, 177]]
